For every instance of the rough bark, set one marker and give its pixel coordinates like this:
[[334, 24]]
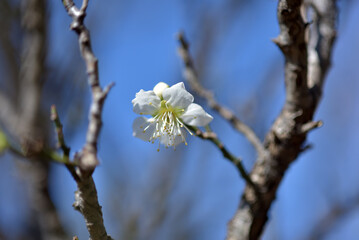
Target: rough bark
[[86, 200], [286, 138]]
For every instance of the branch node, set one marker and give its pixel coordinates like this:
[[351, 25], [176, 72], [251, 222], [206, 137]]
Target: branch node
[[305, 128], [108, 88], [280, 42]]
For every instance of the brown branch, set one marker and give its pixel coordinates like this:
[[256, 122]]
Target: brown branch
[[86, 200], [191, 76], [287, 135], [28, 125], [61, 143], [211, 136], [59, 132], [88, 160]]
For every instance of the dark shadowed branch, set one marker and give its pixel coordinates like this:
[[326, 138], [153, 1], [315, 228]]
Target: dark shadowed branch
[[191, 76], [287, 135]]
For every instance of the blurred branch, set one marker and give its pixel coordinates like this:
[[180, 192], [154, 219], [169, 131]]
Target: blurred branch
[[32, 68], [328, 221], [191, 76], [86, 200], [8, 114], [28, 127], [287, 135], [43, 153], [8, 14]]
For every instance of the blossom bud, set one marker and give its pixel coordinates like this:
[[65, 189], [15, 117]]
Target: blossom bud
[[158, 89]]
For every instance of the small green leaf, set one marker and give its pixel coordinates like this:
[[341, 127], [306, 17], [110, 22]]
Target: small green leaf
[[3, 142]]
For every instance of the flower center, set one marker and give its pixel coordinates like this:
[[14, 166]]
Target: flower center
[[168, 125]]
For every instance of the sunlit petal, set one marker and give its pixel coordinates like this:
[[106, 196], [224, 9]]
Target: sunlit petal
[[146, 102], [177, 96], [194, 115]]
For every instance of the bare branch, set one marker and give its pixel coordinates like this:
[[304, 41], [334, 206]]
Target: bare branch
[[88, 160], [211, 136], [7, 12], [190, 75], [86, 200], [27, 125], [61, 142], [60, 135], [32, 69], [8, 114], [285, 140]]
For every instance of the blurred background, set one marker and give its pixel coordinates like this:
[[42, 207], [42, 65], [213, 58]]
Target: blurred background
[[193, 192]]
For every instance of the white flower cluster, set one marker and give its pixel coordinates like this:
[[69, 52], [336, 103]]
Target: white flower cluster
[[171, 108]]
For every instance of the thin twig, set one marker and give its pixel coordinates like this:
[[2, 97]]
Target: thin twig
[[43, 152], [60, 135], [329, 221], [191, 76], [61, 142], [211, 136]]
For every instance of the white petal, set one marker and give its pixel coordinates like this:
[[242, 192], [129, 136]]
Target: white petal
[[177, 96], [139, 125], [158, 89], [171, 141], [194, 115], [146, 102]]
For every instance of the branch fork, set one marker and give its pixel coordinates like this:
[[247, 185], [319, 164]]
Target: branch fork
[[86, 200]]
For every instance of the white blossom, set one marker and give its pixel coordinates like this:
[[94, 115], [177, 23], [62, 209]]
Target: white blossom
[[171, 109]]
